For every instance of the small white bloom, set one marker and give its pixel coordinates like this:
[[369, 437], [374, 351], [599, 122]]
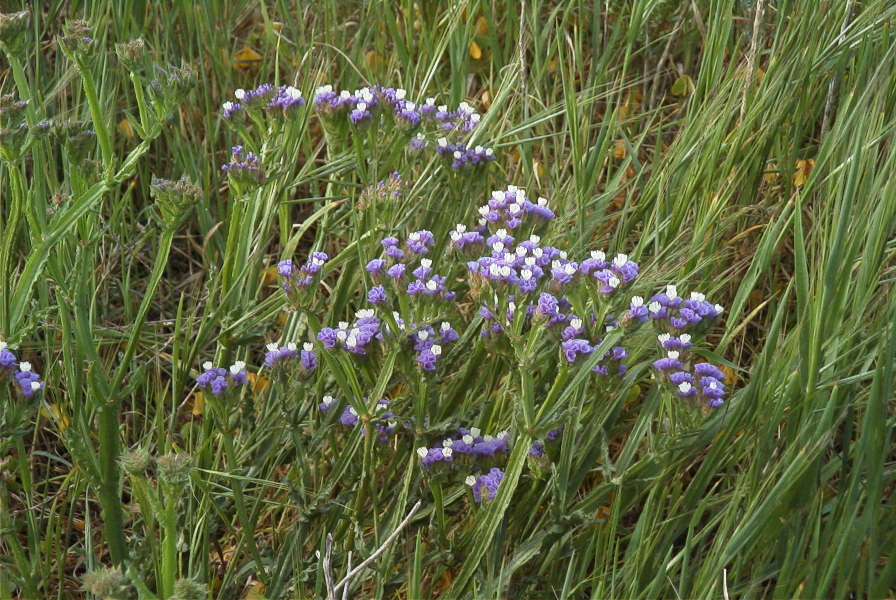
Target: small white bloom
[[445, 326], [575, 323], [341, 335], [620, 260], [684, 387], [422, 335], [468, 439], [475, 431], [207, 365], [35, 385], [447, 452], [422, 451], [24, 366], [664, 337], [401, 93], [239, 94], [442, 142], [685, 338], [470, 480], [307, 347], [236, 367], [426, 263], [697, 296], [273, 347], [637, 301], [431, 285], [671, 291], [343, 324], [673, 354], [654, 307], [719, 308], [328, 400], [447, 443], [598, 255]]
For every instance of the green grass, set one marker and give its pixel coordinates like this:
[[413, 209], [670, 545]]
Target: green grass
[[117, 298]]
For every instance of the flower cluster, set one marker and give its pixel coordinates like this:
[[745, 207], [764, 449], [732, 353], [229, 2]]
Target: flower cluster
[[291, 277], [352, 337], [266, 96], [383, 419], [704, 381], [244, 165], [276, 354], [467, 442], [390, 266], [218, 380], [24, 376], [485, 486]]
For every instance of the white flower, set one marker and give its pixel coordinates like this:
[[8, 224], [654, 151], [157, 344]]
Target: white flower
[[598, 255], [470, 480], [637, 301], [307, 347], [207, 365], [239, 94], [426, 262], [24, 366], [671, 291], [422, 451], [475, 431], [273, 347]]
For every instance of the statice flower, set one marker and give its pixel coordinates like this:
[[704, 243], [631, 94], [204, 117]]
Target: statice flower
[[307, 357], [28, 381], [376, 295], [485, 487], [304, 276], [218, 380], [7, 358], [420, 241], [572, 348], [669, 362], [355, 337], [349, 416], [462, 155], [680, 313], [244, 165], [276, 353], [431, 456], [326, 403]]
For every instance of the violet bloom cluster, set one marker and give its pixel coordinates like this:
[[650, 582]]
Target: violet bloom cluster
[[428, 344], [467, 442], [384, 420], [365, 104], [485, 486], [507, 208], [703, 381], [266, 96], [22, 373], [244, 165], [681, 314], [276, 354], [291, 277], [393, 266], [354, 337], [218, 380]]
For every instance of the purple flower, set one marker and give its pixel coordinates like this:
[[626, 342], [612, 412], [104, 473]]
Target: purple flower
[[375, 266], [486, 486], [376, 295], [277, 353], [349, 416], [308, 358], [218, 379], [419, 241], [396, 271], [709, 370], [574, 347], [327, 403], [668, 363], [7, 358], [678, 377]]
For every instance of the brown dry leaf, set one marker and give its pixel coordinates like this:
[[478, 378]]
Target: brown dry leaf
[[803, 170], [481, 26], [270, 275], [730, 375], [771, 175], [126, 129], [258, 384], [198, 404], [246, 58], [619, 149], [375, 61], [486, 99]]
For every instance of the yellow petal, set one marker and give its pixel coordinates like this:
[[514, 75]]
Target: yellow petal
[[475, 51]]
